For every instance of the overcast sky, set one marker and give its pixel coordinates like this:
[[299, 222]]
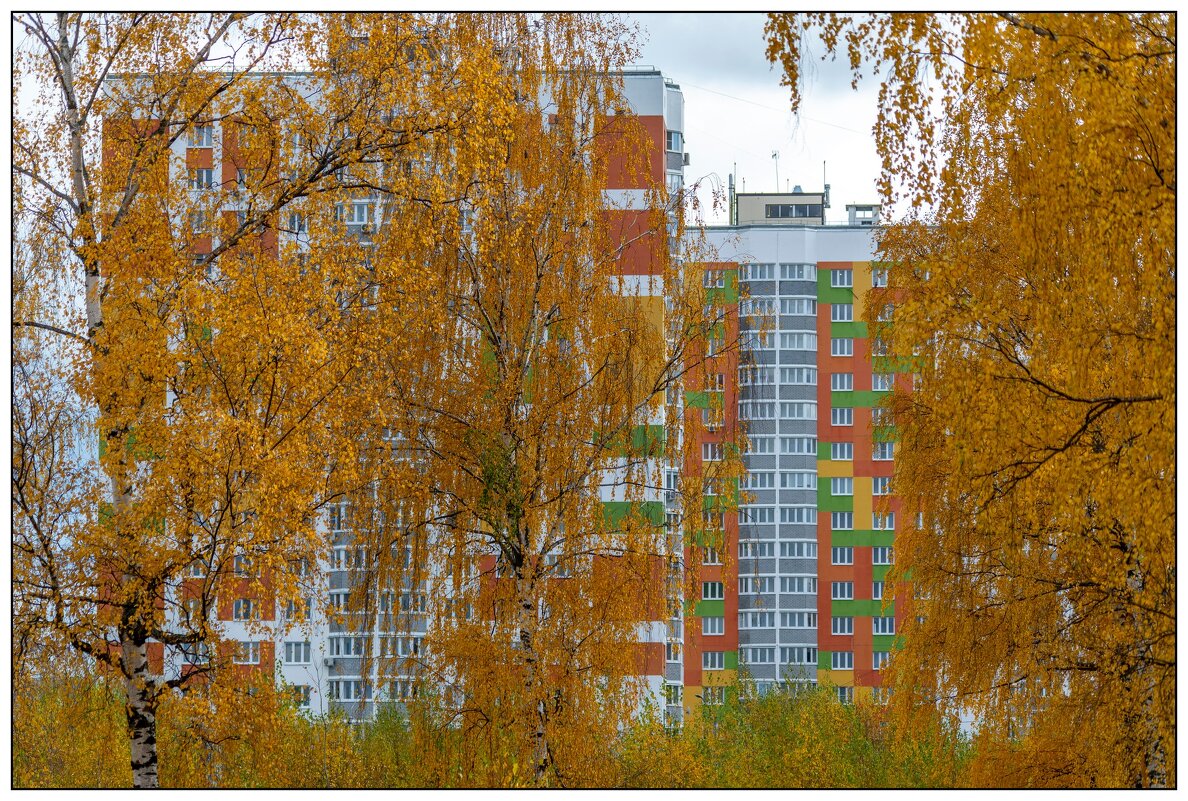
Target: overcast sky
[[736, 112]]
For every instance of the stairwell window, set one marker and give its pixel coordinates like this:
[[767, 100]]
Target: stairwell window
[[243, 609], [842, 591], [297, 653], [883, 625], [842, 312], [841, 382], [841, 346], [713, 660], [843, 625], [842, 555], [841, 278], [842, 660], [883, 451], [841, 416], [841, 451], [713, 626]]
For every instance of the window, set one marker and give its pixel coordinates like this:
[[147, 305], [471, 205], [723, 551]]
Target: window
[[799, 479], [713, 660], [798, 514], [713, 696], [798, 340], [798, 549], [346, 690], [756, 410], [202, 136], [758, 480], [756, 585], [711, 451], [243, 566], [712, 591], [883, 451], [879, 659], [792, 211], [798, 585], [798, 410], [878, 277], [757, 307], [841, 451], [346, 646], [876, 590], [842, 660], [883, 625], [798, 272], [842, 555], [247, 653], [884, 522], [713, 625], [886, 313], [882, 382], [757, 515], [201, 178], [199, 222], [798, 655], [842, 521], [192, 609], [761, 445], [672, 694], [710, 556], [195, 653], [756, 272], [881, 555], [798, 620], [711, 419], [841, 346], [196, 569], [764, 549], [714, 346], [842, 416], [758, 656], [338, 515], [242, 609], [841, 486], [756, 620], [878, 347], [842, 591], [841, 278], [301, 694], [755, 375], [798, 306], [714, 279], [672, 141], [339, 600], [880, 485], [757, 340], [880, 417], [715, 382], [297, 653], [296, 223], [806, 376], [841, 382], [845, 695], [805, 446], [841, 312], [672, 652], [843, 625]]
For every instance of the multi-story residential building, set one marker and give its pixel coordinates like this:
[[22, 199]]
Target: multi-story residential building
[[814, 541], [336, 657]]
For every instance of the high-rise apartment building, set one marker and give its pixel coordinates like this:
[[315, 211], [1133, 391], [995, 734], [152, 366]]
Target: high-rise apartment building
[[814, 537]]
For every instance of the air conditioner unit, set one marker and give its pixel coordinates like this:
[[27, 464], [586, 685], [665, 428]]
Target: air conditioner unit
[[685, 159], [328, 661], [670, 496], [367, 228]]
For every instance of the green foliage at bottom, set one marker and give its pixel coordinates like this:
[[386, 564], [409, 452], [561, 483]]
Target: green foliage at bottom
[[253, 737]]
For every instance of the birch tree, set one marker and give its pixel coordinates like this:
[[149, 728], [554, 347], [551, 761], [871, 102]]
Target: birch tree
[[1037, 308], [196, 339]]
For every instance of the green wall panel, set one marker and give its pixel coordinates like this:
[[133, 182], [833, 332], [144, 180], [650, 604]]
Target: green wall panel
[[860, 537]]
